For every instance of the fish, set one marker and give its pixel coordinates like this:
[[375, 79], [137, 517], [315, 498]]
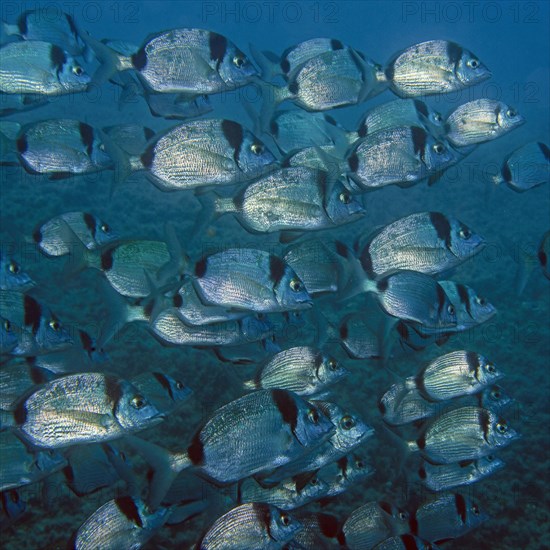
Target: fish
[[427, 242], [327, 158], [454, 374], [344, 473], [252, 525], [62, 147], [434, 67], [450, 476], [251, 434], [201, 153], [399, 112], [292, 199], [249, 279], [319, 532], [40, 68], [479, 121], [82, 408], [132, 138], [402, 155], [303, 370], [12, 508], [12, 276], [53, 239], [62, 31], [22, 466], [95, 466], [373, 523], [466, 433], [38, 328], [447, 517], [123, 522], [185, 60], [526, 167], [162, 391], [359, 335], [287, 495], [405, 542], [9, 335]]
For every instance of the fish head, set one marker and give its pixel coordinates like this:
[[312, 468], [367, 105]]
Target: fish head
[[314, 488], [446, 311], [487, 373], [71, 75], [488, 465], [463, 241], [398, 517], [481, 309], [438, 154], [13, 504], [495, 398], [48, 461], [342, 207], [474, 515], [133, 410], [329, 370], [312, 424], [236, 69], [52, 334], [254, 157], [12, 277], [470, 70], [256, 327], [508, 118], [501, 433], [282, 526], [290, 291], [358, 468], [351, 431], [9, 336]]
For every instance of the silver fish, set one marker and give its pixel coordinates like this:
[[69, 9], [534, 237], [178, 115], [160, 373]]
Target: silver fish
[[449, 476], [428, 242], [434, 67], [255, 525], [39, 330], [249, 279], [53, 239], [22, 466], [124, 522], [466, 433], [373, 523], [359, 335], [402, 155], [185, 60], [202, 153], [36, 67], [526, 167], [62, 147], [303, 370], [454, 374], [479, 121], [294, 198], [447, 517], [287, 495], [12, 277], [82, 408]]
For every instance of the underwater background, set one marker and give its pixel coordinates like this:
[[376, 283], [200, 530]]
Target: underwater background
[[513, 40]]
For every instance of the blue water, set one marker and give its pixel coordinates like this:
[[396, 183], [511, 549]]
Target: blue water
[[513, 40]]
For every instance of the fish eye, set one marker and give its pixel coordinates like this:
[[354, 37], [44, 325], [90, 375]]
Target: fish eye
[[439, 148], [14, 267], [502, 427], [122, 455], [481, 301], [344, 197], [490, 458], [238, 61], [451, 309], [257, 148], [496, 394], [438, 117], [360, 464], [314, 481], [285, 519], [490, 368], [464, 233], [402, 515], [473, 63], [14, 497], [313, 416], [475, 509], [55, 324], [78, 70], [105, 228], [7, 326], [138, 402], [347, 422], [511, 113], [296, 285], [332, 364]]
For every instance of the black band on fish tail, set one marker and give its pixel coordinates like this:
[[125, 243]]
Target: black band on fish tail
[[149, 306], [454, 53], [234, 135], [353, 162], [472, 360], [386, 507], [413, 523], [421, 442], [218, 47], [276, 268], [442, 227], [285, 65], [464, 297], [421, 108], [33, 313], [148, 133], [177, 300], [293, 87], [148, 156], [344, 331], [22, 144], [336, 44], [341, 249], [89, 219], [366, 262], [287, 407], [200, 267], [390, 72], [506, 173], [318, 361], [409, 542], [328, 524], [263, 513], [441, 298], [57, 57], [545, 150], [22, 23], [382, 285], [543, 258], [460, 504], [343, 464], [302, 480], [419, 139], [38, 375], [139, 59], [113, 391], [128, 507], [37, 235], [87, 137], [381, 407], [107, 259], [485, 423], [422, 473], [69, 473], [363, 130], [403, 330], [165, 383], [274, 128], [195, 451], [20, 414]]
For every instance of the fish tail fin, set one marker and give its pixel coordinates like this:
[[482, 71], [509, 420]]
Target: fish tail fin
[[110, 61], [7, 420], [122, 164], [405, 448], [272, 96], [254, 119], [7, 30], [526, 263], [80, 258], [250, 384], [357, 280], [386, 340], [267, 61], [166, 465], [213, 206], [179, 261]]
